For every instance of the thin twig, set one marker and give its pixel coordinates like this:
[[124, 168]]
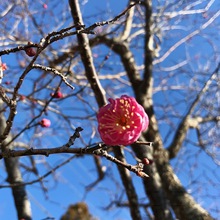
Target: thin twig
[[137, 169], [56, 72], [41, 177], [184, 125]]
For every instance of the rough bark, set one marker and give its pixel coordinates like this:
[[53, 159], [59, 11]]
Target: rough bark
[[91, 75], [153, 185], [21, 201], [86, 54], [153, 188], [183, 204]]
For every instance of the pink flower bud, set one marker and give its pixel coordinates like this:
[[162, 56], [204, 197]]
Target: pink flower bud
[[30, 51], [8, 83], [45, 6], [121, 121], [45, 123], [4, 66], [57, 95], [145, 161], [22, 97]]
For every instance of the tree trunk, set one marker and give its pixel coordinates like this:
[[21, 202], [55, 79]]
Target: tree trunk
[[21, 201]]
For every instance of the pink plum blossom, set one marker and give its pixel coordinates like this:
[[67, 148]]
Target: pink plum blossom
[[45, 123], [121, 121]]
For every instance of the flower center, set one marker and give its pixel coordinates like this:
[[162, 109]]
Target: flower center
[[123, 121]]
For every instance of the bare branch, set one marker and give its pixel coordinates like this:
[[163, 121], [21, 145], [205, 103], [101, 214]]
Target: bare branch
[[189, 11], [183, 40], [194, 122], [128, 183], [86, 56], [12, 185], [184, 125], [128, 23], [101, 100], [4, 97], [56, 72], [181, 201], [138, 169], [14, 176], [18, 48], [116, 18]]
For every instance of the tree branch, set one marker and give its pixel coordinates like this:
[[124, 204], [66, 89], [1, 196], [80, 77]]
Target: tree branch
[[184, 125], [127, 58], [92, 77], [138, 169], [128, 184], [86, 55], [183, 204], [56, 72], [188, 37], [153, 185], [128, 23], [194, 122], [39, 179], [20, 197]]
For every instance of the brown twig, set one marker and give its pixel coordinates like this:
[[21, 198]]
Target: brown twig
[[56, 72], [137, 169]]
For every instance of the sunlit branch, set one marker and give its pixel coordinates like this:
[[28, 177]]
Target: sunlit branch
[[194, 122], [203, 144], [128, 23], [56, 72], [116, 18], [174, 67], [4, 97], [95, 84], [138, 169], [7, 10], [86, 56], [183, 40], [189, 11]]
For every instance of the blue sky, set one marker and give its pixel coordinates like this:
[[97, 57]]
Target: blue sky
[[67, 186]]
